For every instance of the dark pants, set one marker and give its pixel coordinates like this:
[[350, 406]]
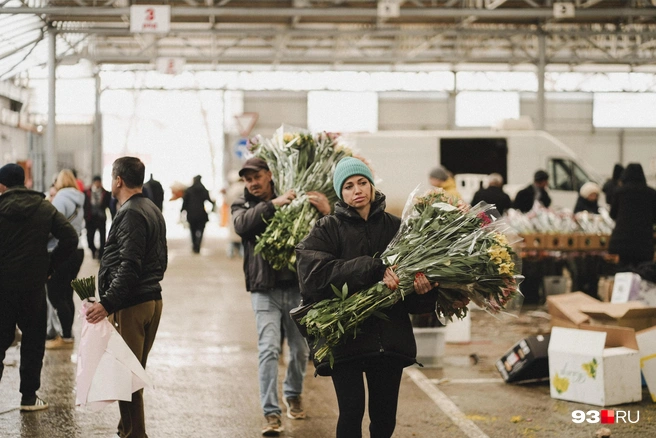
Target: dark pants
[[138, 327], [197, 229], [100, 225], [60, 291], [27, 309], [383, 382]]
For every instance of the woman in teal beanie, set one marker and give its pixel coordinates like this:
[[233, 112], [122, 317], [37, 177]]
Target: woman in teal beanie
[[343, 248]]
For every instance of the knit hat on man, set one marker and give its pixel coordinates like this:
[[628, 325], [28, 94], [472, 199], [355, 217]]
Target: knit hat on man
[[346, 168], [12, 175]]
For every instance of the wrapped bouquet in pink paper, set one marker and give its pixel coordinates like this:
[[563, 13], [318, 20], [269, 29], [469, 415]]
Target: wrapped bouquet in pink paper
[[107, 370]]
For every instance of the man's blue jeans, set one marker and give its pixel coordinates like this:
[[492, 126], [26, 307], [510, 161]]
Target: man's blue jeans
[[271, 314]]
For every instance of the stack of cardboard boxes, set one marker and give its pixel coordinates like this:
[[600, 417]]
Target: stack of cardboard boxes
[[598, 349]]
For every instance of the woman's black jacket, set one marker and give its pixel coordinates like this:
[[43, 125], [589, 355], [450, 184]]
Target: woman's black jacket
[[343, 248], [634, 211]]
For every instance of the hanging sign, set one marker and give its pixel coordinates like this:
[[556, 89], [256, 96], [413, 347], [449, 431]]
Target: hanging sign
[[563, 10], [389, 8], [170, 66], [150, 18]]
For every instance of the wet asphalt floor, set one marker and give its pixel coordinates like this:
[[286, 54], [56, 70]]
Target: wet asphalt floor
[[204, 367]]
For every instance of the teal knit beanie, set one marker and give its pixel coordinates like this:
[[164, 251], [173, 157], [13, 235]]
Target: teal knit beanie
[[346, 168]]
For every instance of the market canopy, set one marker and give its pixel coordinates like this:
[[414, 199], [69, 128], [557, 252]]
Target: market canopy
[[332, 34]]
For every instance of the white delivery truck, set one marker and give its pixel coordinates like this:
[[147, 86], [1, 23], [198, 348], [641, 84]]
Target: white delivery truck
[[403, 159]]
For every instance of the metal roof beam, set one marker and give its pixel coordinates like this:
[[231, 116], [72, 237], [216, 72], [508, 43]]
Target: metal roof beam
[[531, 13]]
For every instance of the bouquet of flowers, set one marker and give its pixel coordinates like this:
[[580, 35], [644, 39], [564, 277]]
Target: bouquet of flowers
[[85, 288], [467, 252], [303, 162], [102, 352]]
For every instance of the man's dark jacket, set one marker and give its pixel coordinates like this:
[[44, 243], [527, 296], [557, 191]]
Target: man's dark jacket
[[193, 202], [26, 222], [342, 248], [99, 212], [526, 197], [493, 195], [135, 256], [249, 214]]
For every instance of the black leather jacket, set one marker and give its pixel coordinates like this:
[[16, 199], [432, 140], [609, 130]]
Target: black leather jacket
[[135, 256], [342, 248]]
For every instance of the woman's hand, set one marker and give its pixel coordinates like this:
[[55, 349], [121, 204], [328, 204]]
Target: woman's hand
[[422, 285], [463, 206], [390, 278]]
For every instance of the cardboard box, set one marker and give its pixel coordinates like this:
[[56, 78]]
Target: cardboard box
[[584, 368], [526, 360], [565, 309], [561, 242], [646, 340], [430, 345], [633, 314], [625, 287], [605, 288], [593, 242], [534, 241]]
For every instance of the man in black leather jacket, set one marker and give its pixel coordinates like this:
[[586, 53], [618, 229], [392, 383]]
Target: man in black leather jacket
[[131, 269]]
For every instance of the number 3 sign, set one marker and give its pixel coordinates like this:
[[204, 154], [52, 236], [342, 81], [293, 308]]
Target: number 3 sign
[[150, 19]]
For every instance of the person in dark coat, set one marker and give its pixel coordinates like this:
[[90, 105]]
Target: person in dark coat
[[129, 277], [527, 197], [634, 211], [193, 202], [588, 198], [611, 186], [342, 248], [273, 294], [27, 221], [95, 215], [493, 194], [154, 191]]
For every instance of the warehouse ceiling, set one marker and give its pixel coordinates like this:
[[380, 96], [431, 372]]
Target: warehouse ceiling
[[335, 34]]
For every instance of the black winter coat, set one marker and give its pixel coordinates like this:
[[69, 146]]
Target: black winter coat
[[249, 214], [583, 204], [193, 202], [135, 256], [493, 195], [26, 222], [341, 248], [634, 211], [526, 197]]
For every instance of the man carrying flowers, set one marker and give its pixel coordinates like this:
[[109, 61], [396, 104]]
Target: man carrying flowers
[[273, 293], [342, 249]]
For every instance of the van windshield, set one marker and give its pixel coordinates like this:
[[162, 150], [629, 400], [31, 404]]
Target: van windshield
[[566, 175]]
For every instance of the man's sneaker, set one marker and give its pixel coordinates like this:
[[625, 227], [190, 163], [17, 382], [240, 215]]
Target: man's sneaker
[[60, 343], [35, 404], [273, 426], [294, 408]]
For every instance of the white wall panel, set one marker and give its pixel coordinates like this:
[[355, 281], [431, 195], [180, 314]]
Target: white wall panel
[[276, 108], [75, 143], [412, 111]]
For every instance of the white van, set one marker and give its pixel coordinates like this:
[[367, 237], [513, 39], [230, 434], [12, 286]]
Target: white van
[[403, 159]]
